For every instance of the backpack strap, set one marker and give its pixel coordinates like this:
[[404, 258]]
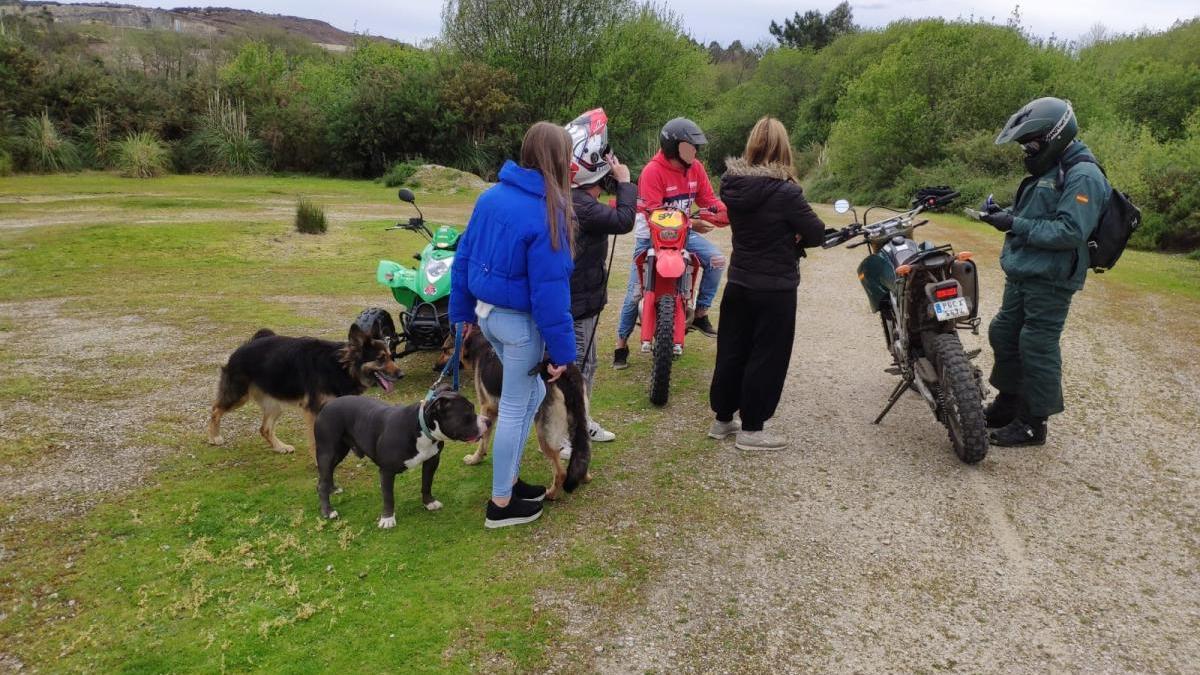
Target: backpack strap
[[1064, 167]]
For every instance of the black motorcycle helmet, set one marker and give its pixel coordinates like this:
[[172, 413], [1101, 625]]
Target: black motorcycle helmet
[[1044, 127], [679, 130]]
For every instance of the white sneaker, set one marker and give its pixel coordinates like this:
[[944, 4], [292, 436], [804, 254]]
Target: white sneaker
[[645, 346], [564, 453], [760, 440], [723, 430], [599, 433]]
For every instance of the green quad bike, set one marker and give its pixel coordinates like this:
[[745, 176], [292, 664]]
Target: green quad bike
[[423, 293]]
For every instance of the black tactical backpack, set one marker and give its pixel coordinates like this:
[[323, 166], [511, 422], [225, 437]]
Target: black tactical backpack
[[1117, 223]]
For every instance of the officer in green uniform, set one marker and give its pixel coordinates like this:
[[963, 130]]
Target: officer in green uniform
[[1045, 259]]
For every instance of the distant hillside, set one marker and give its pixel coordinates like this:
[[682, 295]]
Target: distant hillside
[[221, 21]]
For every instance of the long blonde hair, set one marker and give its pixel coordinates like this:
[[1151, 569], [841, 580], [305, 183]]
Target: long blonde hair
[[547, 148], [769, 144]]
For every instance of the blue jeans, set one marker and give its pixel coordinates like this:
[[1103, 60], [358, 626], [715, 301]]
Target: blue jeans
[[519, 345], [705, 250]]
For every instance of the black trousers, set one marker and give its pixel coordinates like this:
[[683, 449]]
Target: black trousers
[[754, 346]]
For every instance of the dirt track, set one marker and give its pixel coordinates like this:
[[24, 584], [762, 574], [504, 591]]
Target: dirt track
[[871, 548]]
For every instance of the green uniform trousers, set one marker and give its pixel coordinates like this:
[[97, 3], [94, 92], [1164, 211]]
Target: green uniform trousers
[[1025, 340]]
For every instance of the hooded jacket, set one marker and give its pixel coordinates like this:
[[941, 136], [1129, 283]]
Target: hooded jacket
[[664, 184], [505, 259], [767, 212]]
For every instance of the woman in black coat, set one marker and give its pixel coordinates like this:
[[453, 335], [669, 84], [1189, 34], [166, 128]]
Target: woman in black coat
[[772, 224]]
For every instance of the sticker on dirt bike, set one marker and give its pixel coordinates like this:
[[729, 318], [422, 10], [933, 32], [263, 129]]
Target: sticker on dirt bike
[[667, 218], [951, 309]]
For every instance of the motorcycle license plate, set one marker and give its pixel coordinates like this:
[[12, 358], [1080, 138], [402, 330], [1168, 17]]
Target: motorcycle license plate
[[951, 309]]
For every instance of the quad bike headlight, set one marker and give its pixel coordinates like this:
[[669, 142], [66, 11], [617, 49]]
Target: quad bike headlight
[[437, 269]]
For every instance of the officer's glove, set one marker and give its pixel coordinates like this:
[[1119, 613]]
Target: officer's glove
[[1001, 220], [990, 205]]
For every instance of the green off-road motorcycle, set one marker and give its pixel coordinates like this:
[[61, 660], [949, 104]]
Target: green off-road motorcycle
[[924, 294], [422, 293]]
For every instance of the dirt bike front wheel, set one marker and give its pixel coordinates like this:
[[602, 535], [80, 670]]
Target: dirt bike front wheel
[[961, 402], [664, 350]]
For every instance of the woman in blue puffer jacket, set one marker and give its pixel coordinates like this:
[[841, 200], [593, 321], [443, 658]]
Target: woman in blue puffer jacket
[[512, 270]]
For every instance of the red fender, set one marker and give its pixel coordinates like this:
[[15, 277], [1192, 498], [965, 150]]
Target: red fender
[[669, 264]]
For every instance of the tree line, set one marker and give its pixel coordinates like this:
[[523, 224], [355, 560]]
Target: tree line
[[874, 113]]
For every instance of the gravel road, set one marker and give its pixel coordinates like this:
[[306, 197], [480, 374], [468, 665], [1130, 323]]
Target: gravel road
[[872, 549]]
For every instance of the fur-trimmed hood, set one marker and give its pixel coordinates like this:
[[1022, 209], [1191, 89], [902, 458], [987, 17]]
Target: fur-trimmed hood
[[736, 166], [745, 186]]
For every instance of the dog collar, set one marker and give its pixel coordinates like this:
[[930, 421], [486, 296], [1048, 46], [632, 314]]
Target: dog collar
[[421, 421]]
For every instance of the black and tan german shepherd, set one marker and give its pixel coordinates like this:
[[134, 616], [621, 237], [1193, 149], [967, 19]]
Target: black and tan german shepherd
[[562, 416], [275, 370]]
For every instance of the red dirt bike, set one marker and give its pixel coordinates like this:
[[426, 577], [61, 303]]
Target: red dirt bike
[[668, 274]]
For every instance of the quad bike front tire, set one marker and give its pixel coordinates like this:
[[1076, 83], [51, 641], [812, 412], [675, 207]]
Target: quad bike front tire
[[664, 350], [962, 403]]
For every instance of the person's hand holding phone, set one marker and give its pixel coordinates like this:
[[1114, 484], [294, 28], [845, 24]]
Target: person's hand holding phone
[[619, 170]]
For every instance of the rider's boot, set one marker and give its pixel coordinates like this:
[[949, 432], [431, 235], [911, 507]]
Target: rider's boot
[[1021, 432], [1002, 410]]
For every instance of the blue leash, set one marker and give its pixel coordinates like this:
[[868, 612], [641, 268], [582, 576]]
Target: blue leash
[[451, 369], [453, 365]]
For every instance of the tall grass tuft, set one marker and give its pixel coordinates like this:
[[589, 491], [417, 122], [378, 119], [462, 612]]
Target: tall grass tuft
[[98, 142], [223, 142], [43, 148], [310, 217], [142, 155]]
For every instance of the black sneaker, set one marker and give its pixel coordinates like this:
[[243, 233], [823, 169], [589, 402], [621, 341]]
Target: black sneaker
[[702, 324], [517, 512], [1002, 410], [1019, 434], [530, 493], [621, 358]]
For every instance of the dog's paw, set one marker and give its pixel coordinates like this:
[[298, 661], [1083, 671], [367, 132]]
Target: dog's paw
[[284, 449], [387, 522], [332, 515], [433, 505], [216, 440], [472, 459]]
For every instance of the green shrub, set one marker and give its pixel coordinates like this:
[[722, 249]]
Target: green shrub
[[401, 172], [223, 143], [310, 217], [43, 148], [142, 155], [6, 163]]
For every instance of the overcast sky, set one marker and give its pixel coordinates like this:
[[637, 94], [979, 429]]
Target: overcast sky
[[747, 20]]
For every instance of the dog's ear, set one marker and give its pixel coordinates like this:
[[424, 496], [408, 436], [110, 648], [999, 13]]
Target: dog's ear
[[357, 335]]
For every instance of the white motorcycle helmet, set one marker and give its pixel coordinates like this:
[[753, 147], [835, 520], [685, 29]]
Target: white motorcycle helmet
[[589, 147]]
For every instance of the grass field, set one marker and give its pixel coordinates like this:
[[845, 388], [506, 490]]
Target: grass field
[[119, 299], [217, 559]]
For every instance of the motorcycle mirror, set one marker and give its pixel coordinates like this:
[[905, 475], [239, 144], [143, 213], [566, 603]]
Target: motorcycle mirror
[[406, 195], [841, 205]]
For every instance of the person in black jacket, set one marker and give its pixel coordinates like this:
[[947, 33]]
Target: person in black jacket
[[594, 170], [772, 224]]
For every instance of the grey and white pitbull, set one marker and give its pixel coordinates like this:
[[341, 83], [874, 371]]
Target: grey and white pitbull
[[396, 438]]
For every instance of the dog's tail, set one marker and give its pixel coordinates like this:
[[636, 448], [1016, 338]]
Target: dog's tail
[[572, 387], [262, 333]]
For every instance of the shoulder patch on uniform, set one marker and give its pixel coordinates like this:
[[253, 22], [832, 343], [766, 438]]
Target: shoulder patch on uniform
[[1081, 198], [1046, 183]]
